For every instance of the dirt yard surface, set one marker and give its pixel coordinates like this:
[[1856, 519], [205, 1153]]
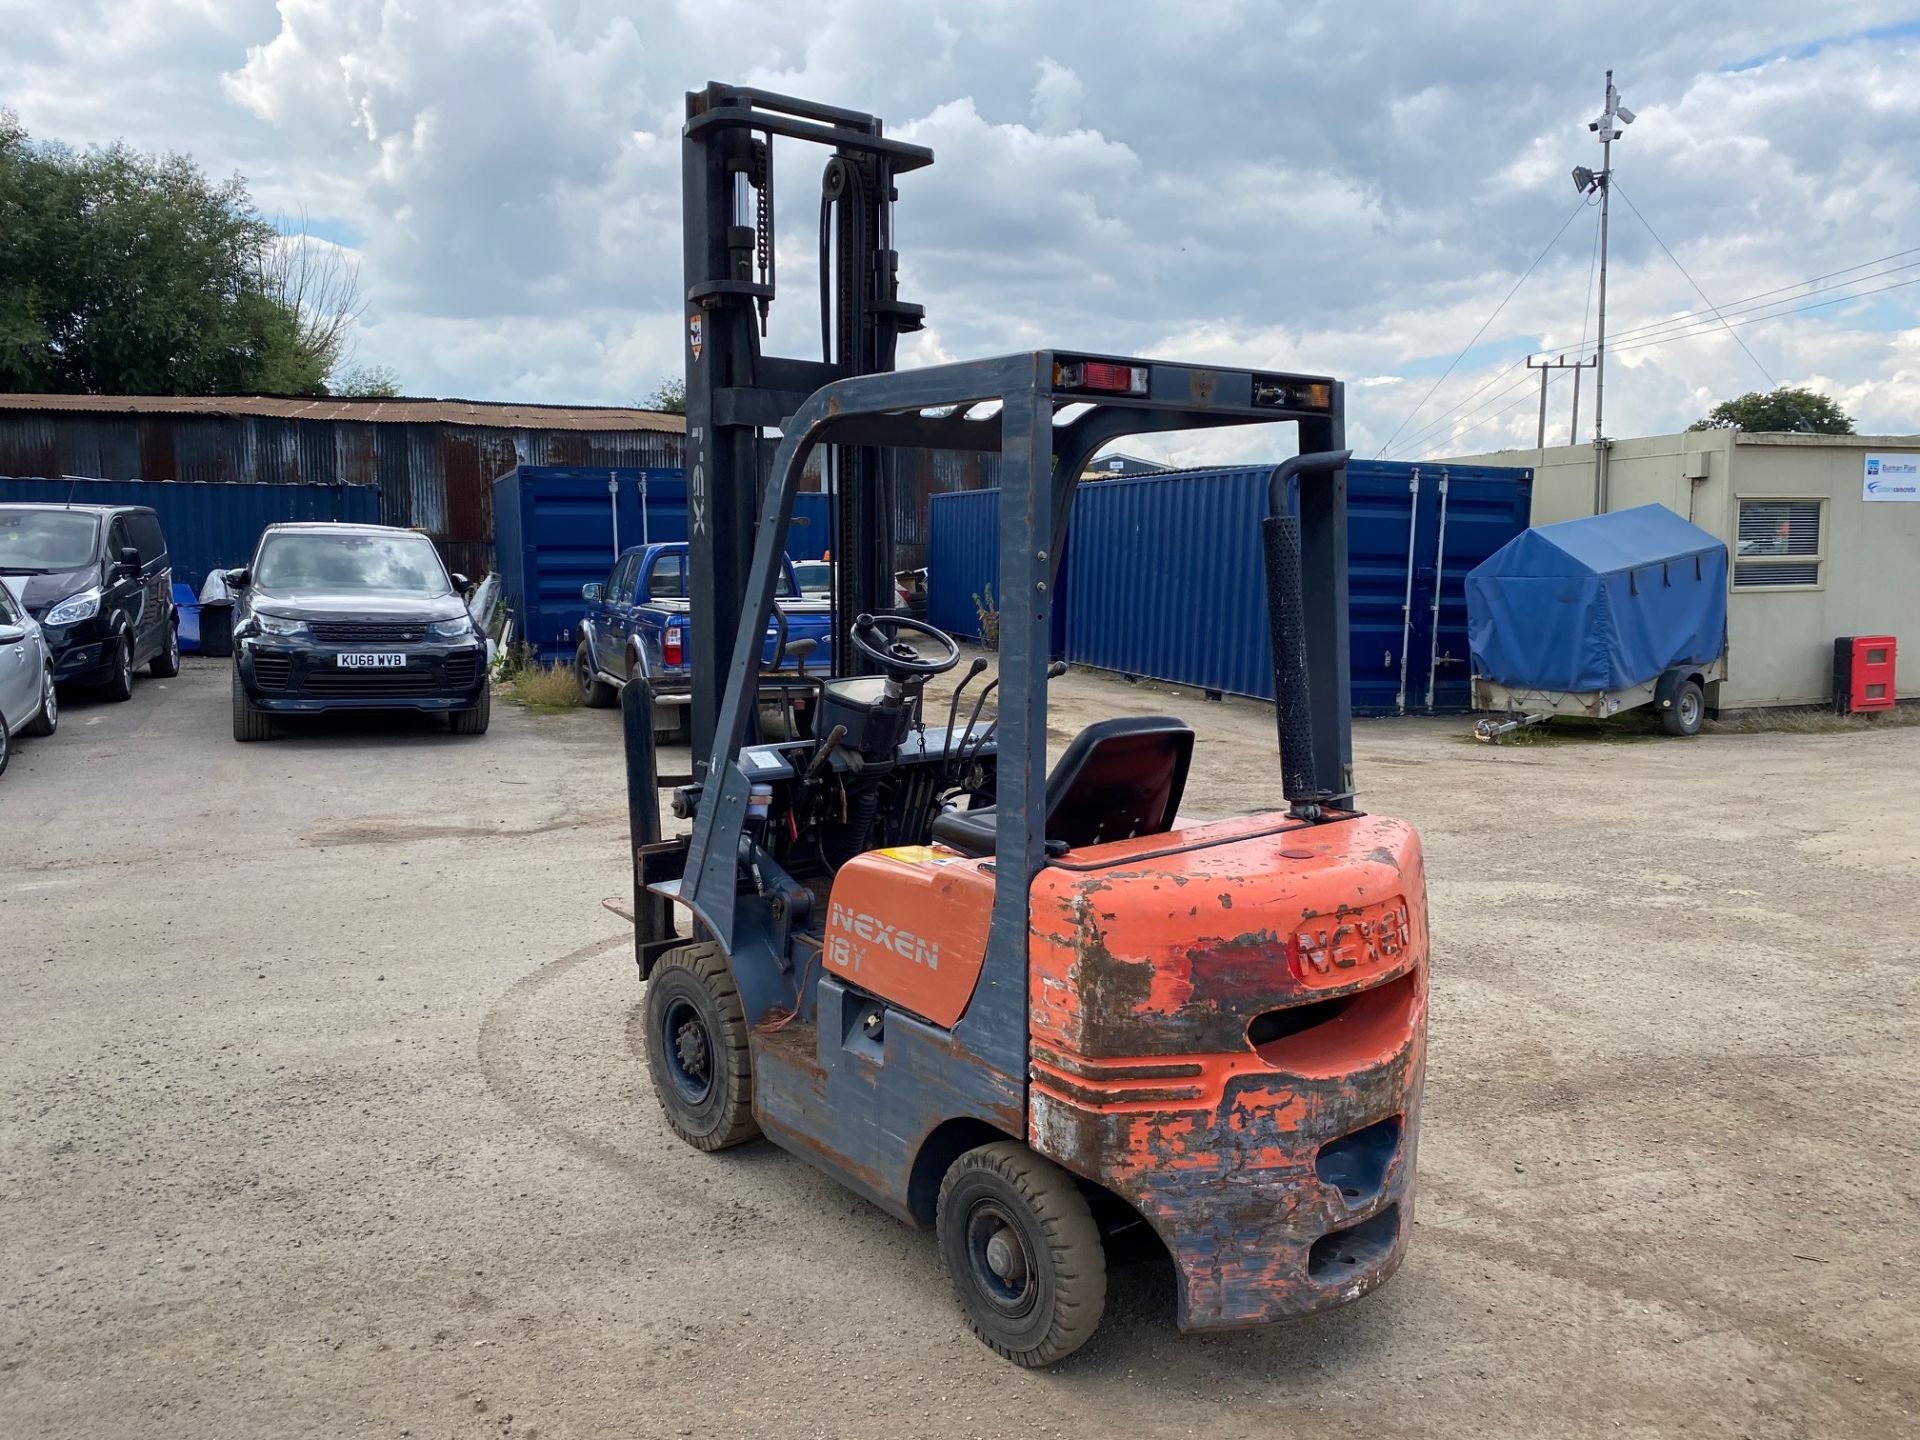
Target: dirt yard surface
[[321, 1112]]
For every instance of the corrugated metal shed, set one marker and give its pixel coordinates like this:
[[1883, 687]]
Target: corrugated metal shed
[[1163, 575], [208, 527], [434, 461], [487, 414]]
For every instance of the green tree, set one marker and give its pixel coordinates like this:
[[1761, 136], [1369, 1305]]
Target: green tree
[[126, 273], [669, 396], [1791, 407], [367, 382]]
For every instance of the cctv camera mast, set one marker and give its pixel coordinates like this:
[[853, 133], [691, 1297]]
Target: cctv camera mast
[[1609, 128]]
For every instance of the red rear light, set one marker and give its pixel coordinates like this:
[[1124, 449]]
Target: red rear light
[[1102, 375], [672, 651]]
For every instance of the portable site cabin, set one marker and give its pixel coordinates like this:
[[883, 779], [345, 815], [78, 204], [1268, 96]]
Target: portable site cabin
[[1823, 533]]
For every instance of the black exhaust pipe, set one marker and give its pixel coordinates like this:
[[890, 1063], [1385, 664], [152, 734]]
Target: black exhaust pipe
[[1287, 627]]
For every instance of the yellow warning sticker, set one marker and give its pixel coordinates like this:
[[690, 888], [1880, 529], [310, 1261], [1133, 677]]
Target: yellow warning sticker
[[912, 854]]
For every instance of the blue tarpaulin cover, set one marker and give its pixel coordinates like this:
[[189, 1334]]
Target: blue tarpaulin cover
[[1604, 603]]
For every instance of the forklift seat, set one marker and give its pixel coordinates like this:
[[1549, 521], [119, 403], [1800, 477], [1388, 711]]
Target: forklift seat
[[1119, 779]]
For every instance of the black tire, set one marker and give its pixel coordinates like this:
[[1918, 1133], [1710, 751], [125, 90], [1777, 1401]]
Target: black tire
[[697, 1048], [166, 664], [1689, 708], [6, 745], [595, 693], [119, 684], [1022, 1252], [48, 720], [474, 721], [250, 722]]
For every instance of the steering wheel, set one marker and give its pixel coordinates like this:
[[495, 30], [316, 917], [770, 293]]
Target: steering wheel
[[878, 638]]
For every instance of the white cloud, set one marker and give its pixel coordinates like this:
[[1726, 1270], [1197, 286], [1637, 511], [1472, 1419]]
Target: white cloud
[[1345, 189]]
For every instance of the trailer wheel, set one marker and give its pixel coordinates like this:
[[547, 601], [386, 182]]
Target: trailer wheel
[[1689, 708], [1022, 1252], [697, 1048]]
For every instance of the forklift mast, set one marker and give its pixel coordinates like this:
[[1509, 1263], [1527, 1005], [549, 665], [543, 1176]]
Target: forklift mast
[[736, 393]]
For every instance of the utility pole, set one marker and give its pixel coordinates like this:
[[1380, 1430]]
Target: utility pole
[[1609, 128], [1573, 434]]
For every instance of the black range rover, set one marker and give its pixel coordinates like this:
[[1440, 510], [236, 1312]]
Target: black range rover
[[352, 617]]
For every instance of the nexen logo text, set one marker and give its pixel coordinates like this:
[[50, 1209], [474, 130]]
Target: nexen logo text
[[904, 943]]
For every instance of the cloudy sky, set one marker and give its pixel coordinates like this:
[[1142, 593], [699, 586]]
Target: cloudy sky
[[1347, 187]]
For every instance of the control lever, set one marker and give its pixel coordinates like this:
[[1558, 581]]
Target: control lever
[[953, 709], [1054, 672], [797, 650], [821, 756]]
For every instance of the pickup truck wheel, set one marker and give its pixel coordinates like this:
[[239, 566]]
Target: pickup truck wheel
[[595, 693], [474, 721], [250, 722], [698, 1051], [1019, 1244], [1689, 708], [166, 664]]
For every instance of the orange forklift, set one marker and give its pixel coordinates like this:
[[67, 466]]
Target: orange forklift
[[1033, 1009]]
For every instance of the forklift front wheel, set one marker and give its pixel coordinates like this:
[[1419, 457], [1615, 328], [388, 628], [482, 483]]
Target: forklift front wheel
[[697, 1048], [1022, 1251]]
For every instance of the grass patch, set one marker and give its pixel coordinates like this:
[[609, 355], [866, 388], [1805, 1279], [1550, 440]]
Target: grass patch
[[1811, 720], [545, 689], [1643, 723]]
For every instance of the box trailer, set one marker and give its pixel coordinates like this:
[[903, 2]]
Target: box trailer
[[1599, 615]]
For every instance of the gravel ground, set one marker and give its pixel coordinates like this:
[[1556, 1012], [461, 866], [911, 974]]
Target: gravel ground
[[322, 1113]]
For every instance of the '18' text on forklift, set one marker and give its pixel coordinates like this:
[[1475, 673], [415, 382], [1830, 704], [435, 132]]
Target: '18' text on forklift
[[1035, 1010]]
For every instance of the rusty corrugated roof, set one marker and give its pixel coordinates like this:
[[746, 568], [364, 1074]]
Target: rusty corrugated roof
[[507, 416]]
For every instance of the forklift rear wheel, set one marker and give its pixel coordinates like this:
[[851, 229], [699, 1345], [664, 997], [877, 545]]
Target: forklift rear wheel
[[1689, 708], [697, 1050], [1022, 1251]]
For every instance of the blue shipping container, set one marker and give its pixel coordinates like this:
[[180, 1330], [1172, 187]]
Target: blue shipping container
[[209, 525], [558, 527], [963, 564], [1165, 577]]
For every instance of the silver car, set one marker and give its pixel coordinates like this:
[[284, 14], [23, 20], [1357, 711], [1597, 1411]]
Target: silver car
[[28, 703]]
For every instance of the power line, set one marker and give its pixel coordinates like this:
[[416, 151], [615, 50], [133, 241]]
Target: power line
[[1435, 428], [1754, 301], [1459, 405], [1780, 315], [1480, 416], [1775, 384], [1483, 328], [1684, 323], [1505, 410], [1428, 433]]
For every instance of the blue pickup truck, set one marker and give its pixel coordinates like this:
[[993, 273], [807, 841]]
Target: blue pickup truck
[[636, 624]]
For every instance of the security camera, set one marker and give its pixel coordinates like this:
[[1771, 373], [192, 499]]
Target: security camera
[[1625, 115]]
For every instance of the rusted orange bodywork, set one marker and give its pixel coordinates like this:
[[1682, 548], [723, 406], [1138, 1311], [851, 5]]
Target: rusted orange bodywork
[[910, 926], [1228, 1029]]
